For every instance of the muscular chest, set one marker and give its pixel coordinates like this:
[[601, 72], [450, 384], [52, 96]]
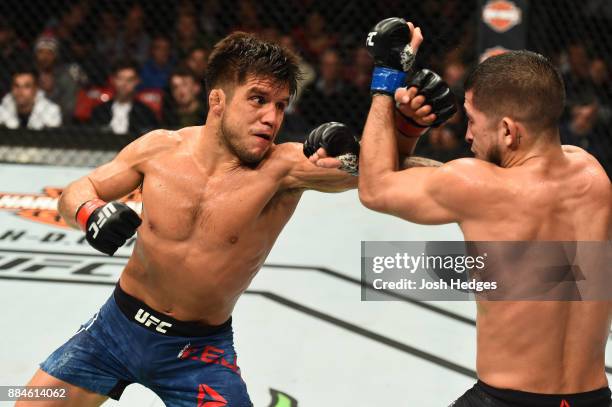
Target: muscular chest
[[181, 204]]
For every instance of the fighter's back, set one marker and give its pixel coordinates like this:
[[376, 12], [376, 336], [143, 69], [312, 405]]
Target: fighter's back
[[566, 198], [561, 343]]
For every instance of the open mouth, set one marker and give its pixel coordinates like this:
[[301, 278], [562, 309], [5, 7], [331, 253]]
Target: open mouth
[[263, 136]]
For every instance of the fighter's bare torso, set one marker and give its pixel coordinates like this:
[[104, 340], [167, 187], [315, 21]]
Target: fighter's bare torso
[[205, 231], [561, 344]]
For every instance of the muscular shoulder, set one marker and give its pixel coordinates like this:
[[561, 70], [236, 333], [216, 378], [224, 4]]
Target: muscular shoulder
[[466, 172], [283, 157], [288, 151], [581, 160], [152, 145], [461, 181]]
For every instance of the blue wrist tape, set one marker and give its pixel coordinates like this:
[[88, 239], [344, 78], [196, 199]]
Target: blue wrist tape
[[387, 80]]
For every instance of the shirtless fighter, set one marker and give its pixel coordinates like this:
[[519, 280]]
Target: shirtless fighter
[[523, 185], [215, 198]]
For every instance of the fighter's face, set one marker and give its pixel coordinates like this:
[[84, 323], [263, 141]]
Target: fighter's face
[[253, 116], [481, 133]]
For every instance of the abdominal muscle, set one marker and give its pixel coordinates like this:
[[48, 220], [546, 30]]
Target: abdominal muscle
[[200, 278]]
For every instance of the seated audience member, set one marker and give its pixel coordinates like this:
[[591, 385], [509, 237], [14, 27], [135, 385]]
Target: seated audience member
[[197, 61], [54, 77], [156, 71], [184, 108], [124, 114], [330, 97], [26, 106]]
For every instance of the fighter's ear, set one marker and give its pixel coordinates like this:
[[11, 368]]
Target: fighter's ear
[[216, 101], [510, 133]]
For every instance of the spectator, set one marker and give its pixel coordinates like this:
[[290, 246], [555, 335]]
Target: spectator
[[360, 71], [26, 106], [209, 19], [157, 69], [248, 20], [197, 61], [55, 79], [184, 107], [328, 99], [134, 42], [359, 75], [576, 73], [314, 38], [123, 113], [12, 51], [107, 36], [62, 27], [187, 36], [307, 72], [84, 61], [444, 143]]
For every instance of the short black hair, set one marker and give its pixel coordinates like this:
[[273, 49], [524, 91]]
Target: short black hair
[[25, 69], [241, 54], [184, 71], [126, 63], [520, 84]]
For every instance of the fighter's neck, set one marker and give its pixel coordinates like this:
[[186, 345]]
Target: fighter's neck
[[541, 150], [210, 153]]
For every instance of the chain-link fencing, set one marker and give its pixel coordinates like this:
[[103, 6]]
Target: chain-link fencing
[[69, 65]]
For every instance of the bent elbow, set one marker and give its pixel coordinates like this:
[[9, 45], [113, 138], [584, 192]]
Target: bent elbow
[[370, 200]]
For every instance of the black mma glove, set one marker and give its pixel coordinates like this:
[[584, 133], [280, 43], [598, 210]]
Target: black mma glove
[[437, 94], [338, 142], [389, 44], [107, 225]]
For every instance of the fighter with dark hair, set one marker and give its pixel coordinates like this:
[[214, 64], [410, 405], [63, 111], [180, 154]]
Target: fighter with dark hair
[[215, 198], [523, 185]]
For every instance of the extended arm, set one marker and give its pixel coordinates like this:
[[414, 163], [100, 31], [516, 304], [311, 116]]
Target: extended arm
[[304, 174]]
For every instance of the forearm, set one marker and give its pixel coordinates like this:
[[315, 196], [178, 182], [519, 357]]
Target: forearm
[[379, 150], [413, 162], [340, 186], [75, 194], [329, 180], [407, 134], [405, 145]]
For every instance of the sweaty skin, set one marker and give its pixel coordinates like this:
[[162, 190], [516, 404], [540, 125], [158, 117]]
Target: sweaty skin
[[208, 221], [215, 198], [548, 192]]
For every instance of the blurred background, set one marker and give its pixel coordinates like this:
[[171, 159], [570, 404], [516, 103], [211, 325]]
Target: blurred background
[[79, 79]]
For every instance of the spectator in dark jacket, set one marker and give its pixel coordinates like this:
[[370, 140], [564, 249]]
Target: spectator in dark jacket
[[156, 71], [124, 114], [184, 108]]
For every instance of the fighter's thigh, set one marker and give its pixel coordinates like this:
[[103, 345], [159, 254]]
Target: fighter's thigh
[[75, 396], [192, 382]]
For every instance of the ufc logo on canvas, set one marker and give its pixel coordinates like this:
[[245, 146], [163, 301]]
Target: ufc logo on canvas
[[147, 320], [103, 216]]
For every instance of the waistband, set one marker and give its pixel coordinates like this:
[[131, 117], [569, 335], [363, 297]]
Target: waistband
[[145, 316], [594, 398]]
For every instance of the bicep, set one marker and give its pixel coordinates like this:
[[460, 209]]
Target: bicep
[[415, 195], [124, 173], [115, 179]]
